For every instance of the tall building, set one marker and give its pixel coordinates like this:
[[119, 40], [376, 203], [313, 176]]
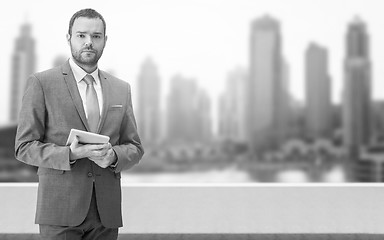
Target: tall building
[[357, 88], [23, 64], [203, 114], [232, 109], [188, 112], [149, 103], [378, 121], [267, 93], [59, 60], [318, 114]]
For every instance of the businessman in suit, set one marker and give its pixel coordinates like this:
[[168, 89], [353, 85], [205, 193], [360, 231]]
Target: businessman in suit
[[79, 194]]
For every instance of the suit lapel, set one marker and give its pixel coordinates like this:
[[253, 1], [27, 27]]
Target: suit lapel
[[74, 91], [106, 90]]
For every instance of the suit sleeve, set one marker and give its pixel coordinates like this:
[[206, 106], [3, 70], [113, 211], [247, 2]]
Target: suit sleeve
[[129, 151], [30, 147]]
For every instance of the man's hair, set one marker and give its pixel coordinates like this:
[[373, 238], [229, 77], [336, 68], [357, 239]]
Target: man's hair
[[88, 13]]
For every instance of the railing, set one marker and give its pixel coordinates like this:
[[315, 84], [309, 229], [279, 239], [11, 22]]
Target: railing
[[231, 208]]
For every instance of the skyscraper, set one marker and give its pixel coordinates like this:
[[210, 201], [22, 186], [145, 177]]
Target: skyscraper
[[149, 100], [188, 112], [203, 112], [318, 113], [357, 88], [59, 60], [266, 89], [23, 64], [232, 107]]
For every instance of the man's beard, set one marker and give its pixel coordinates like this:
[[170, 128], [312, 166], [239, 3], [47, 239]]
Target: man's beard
[[90, 60]]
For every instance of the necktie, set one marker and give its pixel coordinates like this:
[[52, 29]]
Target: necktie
[[93, 111]]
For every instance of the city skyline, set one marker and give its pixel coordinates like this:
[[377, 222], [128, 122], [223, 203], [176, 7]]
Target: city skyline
[[215, 29], [258, 116]]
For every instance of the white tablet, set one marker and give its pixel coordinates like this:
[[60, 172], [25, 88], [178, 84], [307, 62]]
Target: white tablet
[[86, 137]]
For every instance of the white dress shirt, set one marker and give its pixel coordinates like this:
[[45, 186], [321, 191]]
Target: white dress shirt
[[79, 74]]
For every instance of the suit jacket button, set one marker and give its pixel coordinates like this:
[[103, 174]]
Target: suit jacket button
[[90, 174]]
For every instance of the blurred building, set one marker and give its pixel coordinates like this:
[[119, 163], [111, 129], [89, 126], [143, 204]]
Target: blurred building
[[204, 116], [23, 64], [318, 113], [149, 103], [267, 93], [357, 88], [378, 120], [232, 107], [285, 110], [12, 170], [188, 112], [369, 167], [296, 122], [59, 60]]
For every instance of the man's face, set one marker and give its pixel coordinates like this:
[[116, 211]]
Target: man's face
[[87, 41]]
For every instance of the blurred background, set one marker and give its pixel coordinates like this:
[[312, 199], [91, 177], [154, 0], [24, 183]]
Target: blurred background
[[232, 91]]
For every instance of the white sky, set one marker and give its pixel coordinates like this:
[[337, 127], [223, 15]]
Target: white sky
[[201, 39]]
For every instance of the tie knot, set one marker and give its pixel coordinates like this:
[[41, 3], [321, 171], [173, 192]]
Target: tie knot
[[89, 79]]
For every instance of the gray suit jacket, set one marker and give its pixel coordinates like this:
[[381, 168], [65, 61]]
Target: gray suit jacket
[[51, 107]]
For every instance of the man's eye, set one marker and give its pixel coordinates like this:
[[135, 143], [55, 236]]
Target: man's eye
[[81, 35], [96, 36]]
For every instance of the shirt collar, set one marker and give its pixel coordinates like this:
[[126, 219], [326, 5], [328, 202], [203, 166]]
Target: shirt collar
[[79, 73]]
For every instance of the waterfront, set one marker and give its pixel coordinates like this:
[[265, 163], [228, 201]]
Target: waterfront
[[232, 175]]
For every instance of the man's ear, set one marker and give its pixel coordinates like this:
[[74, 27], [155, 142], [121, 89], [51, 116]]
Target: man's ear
[[68, 38]]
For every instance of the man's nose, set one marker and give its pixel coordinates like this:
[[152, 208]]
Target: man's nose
[[88, 42]]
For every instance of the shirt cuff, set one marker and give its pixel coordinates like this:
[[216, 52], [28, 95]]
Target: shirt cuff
[[114, 165]]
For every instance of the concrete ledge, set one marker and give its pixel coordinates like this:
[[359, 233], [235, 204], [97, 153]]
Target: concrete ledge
[[221, 236], [152, 211]]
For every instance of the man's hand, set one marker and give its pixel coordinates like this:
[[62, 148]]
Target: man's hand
[[106, 160], [91, 151]]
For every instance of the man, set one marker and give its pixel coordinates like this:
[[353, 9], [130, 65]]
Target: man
[[79, 194]]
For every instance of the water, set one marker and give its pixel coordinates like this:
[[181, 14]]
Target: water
[[230, 175]]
